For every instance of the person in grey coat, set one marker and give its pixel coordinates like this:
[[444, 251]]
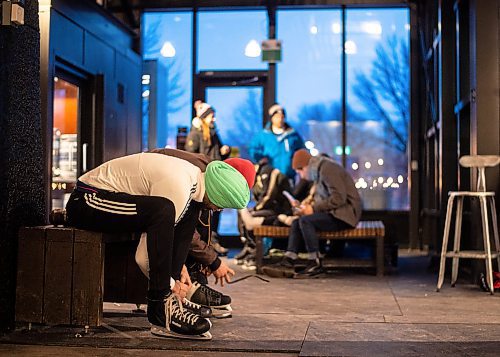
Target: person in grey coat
[[336, 205]]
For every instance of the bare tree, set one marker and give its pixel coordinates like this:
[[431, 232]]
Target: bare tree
[[322, 113], [385, 91], [247, 119], [175, 98]]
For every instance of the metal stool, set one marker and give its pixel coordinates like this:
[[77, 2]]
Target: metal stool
[[480, 162]]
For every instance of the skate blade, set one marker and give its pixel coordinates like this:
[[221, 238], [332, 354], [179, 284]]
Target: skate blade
[[317, 275], [163, 332], [222, 313]]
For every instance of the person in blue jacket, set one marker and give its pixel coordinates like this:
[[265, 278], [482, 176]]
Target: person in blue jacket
[[277, 142]]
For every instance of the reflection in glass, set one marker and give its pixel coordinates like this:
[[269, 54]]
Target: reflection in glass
[[168, 49], [252, 49], [378, 93], [64, 141], [146, 89], [239, 117], [167, 37], [312, 95], [223, 37]]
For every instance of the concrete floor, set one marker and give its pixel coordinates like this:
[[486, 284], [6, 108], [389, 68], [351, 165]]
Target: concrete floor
[[343, 314]]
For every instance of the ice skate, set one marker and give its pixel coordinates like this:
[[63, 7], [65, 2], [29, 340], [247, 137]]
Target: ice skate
[[285, 268], [314, 268], [203, 311], [249, 263], [244, 253], [222, 251], [169, 318], [206, 296]]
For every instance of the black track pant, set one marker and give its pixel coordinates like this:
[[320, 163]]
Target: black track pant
[[112, 212]]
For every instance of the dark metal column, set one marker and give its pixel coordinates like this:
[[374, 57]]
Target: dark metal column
[[415, 133], [448, 155], [22, 195], [270, 97], [344, 86]]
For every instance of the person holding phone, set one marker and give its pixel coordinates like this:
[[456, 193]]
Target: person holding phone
[[335, 205]]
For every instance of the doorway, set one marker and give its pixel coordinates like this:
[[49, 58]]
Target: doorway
[[239, 100], [74, 131]]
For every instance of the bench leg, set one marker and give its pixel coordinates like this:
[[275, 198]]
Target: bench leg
[[380, 256], [259, 253]]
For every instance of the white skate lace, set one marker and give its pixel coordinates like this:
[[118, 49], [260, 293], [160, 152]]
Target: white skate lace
[[191, 304], [173, 308]]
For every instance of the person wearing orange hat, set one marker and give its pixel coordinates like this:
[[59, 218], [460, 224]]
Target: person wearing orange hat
[[335, 205]]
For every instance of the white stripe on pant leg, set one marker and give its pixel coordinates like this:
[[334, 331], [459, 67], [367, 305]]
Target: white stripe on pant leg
[[114, 202], [100, 208], [111, 204], [122, 209], [92, 198]]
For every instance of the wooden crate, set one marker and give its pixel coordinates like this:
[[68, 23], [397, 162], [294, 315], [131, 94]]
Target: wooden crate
[[60, 276]]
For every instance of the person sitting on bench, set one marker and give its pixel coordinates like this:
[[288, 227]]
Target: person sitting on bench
[[336, 206], [162, 196]]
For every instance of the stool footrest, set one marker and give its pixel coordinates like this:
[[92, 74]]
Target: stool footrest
[[471, 254]]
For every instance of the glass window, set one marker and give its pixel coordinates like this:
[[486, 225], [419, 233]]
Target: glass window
[[309, 76], [146, 89], [238, 114], [378, 85], [230, 40], [167, 37]]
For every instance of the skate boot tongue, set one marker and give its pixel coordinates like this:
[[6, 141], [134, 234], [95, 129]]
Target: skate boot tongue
[[175, 310]]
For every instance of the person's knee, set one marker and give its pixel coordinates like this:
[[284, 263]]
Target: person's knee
[[304, 221], [295, 224]]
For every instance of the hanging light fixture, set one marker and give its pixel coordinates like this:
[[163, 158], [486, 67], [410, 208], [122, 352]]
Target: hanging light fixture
[[350, 47], [252, 49], [168, 50]]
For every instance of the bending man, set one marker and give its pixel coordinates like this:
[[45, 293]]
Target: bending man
[[162, 196]]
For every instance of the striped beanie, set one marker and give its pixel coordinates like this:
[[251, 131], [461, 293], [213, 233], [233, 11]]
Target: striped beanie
[[225, 186], [203, 109], [276, 108]]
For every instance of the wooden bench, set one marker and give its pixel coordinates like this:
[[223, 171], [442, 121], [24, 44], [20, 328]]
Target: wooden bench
[[371, 230], [61, 275]]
